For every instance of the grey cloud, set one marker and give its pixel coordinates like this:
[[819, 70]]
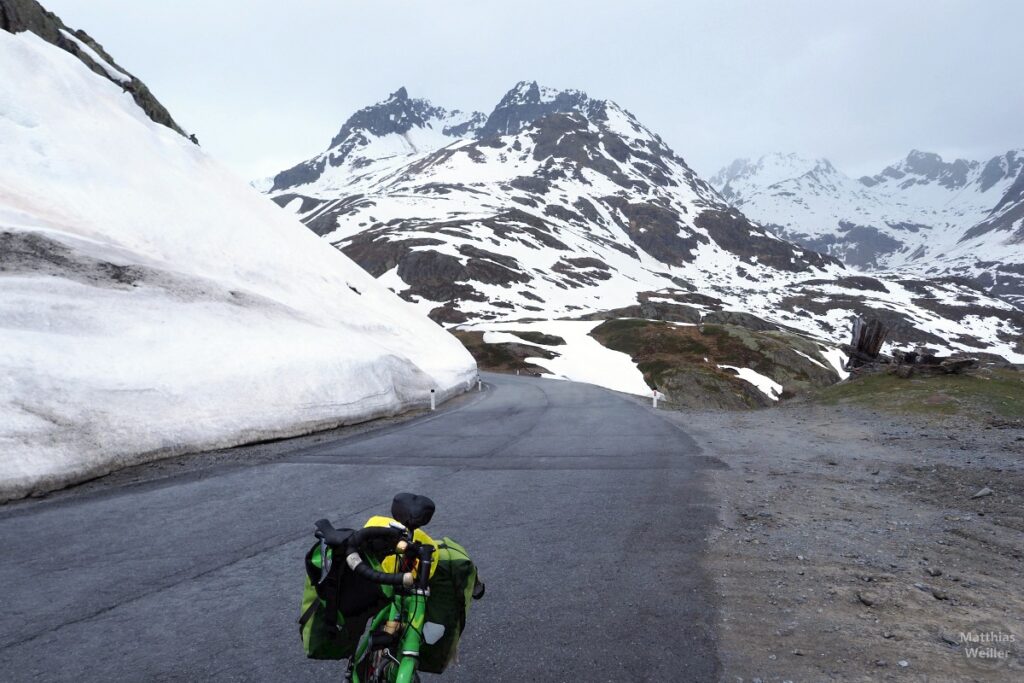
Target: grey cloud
[[265, 84]]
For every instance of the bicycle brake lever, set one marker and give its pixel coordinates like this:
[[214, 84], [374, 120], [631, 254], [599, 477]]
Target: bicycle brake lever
[[325, 562]]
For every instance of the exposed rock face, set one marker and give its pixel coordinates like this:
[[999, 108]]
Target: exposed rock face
[[507, 357], [564, 206], [528, 102], [397, 114], [29, 15]]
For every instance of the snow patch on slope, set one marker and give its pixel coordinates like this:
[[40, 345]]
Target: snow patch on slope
[[766, 385], [581, 359]]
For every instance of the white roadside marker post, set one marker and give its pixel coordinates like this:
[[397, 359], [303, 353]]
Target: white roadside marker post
[[654, 397], [433, 400], [479, 384]]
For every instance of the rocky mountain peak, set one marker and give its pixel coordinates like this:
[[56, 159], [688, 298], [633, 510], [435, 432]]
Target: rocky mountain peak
[[824, 166], [734, 169], [527, 102], [739, 179], [924, 167], [396, 126], [523, 91], [397, 114]]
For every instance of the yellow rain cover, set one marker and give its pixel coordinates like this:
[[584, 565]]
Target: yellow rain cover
[[390, 562]]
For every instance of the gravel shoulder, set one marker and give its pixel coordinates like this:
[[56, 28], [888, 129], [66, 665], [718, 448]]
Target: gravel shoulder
[[850, 546]]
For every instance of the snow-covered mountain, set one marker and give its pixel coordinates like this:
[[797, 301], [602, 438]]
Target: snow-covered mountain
[[394, 128], [559, 205], [922, 215], [151, 303]]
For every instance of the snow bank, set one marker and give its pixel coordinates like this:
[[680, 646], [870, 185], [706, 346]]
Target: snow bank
[[581, 359], [151, 303]]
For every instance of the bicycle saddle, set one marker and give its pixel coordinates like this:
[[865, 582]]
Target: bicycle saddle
[[411, 510]]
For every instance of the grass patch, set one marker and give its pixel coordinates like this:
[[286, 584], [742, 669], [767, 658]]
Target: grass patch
[[654, 371], [999, 392], [714, 331], [642, 338], [683, 360], [623, 324]]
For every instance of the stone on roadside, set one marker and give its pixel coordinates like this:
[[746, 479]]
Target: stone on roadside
[[983, 492]]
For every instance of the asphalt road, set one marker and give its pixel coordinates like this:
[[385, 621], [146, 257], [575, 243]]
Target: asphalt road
[[582, 507]]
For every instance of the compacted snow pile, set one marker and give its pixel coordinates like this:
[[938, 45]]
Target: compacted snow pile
[[151, 303], [579, 358]]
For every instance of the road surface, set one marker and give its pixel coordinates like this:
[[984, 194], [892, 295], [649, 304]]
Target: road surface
[[582, 507]]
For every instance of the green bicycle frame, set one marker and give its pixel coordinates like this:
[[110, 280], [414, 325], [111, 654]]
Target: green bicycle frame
[[410, 610]]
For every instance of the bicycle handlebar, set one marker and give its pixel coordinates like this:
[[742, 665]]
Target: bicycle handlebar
[[356, 564], [352, 543]]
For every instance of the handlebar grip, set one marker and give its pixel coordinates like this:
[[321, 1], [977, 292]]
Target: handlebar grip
[[357, 565], [426, 560]]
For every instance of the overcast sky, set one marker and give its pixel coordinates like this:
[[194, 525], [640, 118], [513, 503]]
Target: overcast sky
[[265, 84]]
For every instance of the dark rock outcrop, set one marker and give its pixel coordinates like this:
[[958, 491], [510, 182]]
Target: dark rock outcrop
[[524, 104], [734, 232], [28, 15], [920, 167]]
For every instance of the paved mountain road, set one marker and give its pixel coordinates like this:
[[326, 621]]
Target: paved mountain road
[[583, 508]]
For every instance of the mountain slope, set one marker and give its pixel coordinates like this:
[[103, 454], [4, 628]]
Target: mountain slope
[[568, 209], [154, 304], [921, 216], [584, 212]]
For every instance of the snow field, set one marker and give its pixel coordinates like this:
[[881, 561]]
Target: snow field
[[581, 359], [173, 308]]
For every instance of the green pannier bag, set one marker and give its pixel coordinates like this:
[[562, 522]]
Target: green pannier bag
[[335, 607], [452, 588]]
